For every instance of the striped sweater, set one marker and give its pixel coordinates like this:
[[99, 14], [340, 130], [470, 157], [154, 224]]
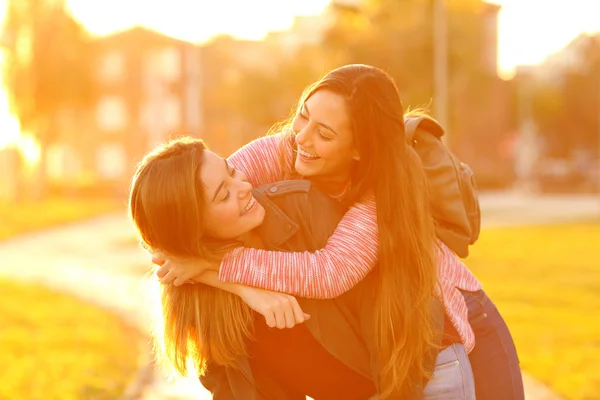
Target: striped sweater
[[350, 254]]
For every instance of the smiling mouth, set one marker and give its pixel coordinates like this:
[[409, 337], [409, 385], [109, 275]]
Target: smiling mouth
[[249, 206], [306, 155]]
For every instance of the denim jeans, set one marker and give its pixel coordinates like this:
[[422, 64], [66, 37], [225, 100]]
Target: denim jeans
[[494, 359], [453, 376]]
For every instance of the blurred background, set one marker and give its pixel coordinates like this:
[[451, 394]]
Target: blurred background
[[89, 87]]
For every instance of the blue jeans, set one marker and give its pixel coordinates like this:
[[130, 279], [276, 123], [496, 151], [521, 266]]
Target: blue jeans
[[453, 376], [494, 359]]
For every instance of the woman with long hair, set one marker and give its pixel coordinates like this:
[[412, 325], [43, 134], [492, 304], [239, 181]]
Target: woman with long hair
[[188, 202], [347, 137]]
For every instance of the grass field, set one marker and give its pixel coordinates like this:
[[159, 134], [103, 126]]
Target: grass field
[[16, 219], [57, 348], [546, 283]]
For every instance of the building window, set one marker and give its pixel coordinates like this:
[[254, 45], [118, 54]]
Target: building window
[[170, 64], [111, 113], [172, 112], [111, 161], [62, 162], [112, 67]]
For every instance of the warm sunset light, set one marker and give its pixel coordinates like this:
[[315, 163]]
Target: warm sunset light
[[194, 21], [520, 41], [528, 29], [108, 109], [9, 126]]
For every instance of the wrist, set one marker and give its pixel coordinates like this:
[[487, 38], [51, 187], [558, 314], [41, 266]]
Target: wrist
[[213, 266], [238, 290]]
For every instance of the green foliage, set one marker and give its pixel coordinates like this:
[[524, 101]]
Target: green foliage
[[565, 107], [49, 64]]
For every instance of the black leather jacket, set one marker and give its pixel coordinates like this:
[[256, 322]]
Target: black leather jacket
[[298, 217]]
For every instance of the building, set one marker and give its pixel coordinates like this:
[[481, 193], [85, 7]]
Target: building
[[147, 89]]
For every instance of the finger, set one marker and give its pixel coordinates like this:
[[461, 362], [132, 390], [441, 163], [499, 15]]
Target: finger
[[168, 278], [288, 312], [270, 319], [298, 314], [158, 260], [180, 280], [306, 316], [279, 317], [162, 271]]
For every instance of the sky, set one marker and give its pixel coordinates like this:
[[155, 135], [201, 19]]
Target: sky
[[528, 30]]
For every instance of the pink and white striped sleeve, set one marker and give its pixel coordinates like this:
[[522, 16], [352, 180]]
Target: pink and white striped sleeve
[[349, 255], [261, 159]]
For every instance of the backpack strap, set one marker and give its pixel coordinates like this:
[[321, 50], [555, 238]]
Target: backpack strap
[[452, 187], [411, 124]]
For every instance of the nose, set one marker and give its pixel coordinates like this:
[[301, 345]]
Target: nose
[[245, 188], [303, 136]]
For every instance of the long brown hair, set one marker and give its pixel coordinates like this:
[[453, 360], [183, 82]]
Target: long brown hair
[[392, 171], [196, 322]]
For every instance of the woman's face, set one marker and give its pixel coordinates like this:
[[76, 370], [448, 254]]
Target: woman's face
[[230, 209], [324, 137]]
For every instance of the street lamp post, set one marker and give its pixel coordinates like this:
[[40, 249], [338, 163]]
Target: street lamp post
[[440, 63]]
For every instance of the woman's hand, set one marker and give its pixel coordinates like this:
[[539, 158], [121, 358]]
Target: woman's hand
[[179, 271], [279, 309]]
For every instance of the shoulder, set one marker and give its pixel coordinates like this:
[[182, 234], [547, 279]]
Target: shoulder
[[297, 195], [415, 125], [286, 188]]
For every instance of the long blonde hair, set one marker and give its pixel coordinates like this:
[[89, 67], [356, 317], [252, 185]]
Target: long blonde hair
[[195, 322], [407, 269]]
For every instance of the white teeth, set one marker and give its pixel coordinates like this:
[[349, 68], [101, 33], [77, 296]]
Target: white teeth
[[306, 154], [249, 205]]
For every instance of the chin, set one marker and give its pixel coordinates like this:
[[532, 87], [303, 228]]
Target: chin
[[303, 169], [258, 217]]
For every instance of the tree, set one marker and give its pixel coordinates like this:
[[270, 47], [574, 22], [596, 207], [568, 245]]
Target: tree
[[48, 71], [397, 36], [566, 107]]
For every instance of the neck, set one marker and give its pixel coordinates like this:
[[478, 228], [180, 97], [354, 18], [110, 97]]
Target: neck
[[333, 186], [252, 239]]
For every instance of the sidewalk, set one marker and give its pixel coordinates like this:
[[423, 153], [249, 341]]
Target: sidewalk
[[515, 208], [99, 262]]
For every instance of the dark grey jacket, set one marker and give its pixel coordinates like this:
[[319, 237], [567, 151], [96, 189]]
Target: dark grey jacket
[[300, 218]]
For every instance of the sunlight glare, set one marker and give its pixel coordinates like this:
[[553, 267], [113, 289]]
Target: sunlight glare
[[9, 125], [194, 21], [531, 30]]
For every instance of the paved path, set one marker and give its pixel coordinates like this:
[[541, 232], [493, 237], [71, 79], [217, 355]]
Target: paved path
[[98, 261]]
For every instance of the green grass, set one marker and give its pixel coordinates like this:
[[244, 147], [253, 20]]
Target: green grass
[[546, 283], [20, 218], [55, 347]]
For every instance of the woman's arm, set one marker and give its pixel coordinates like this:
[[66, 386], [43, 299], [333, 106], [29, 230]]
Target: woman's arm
[[261, 160], [279, 309], [350, 254]]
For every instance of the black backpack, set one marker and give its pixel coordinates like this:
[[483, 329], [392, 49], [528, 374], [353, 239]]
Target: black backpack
[[454, 195]]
